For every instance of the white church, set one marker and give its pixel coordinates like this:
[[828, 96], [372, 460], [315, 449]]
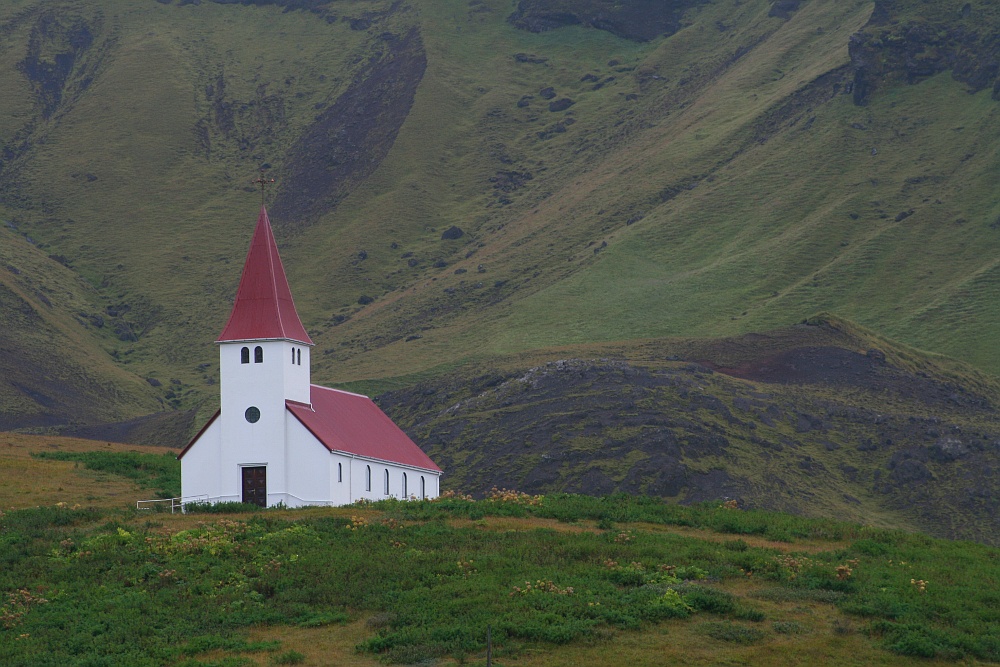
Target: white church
[[277, 438]]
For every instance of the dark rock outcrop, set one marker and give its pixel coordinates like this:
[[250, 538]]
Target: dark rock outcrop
[[352, 136], [637, 20], [895, 47]]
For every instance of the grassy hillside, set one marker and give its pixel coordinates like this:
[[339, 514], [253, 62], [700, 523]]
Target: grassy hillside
[[55, 366], [735, 182], [561, 579]]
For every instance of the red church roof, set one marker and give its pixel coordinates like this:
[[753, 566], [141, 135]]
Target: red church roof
[[352, 423], [264, 308]]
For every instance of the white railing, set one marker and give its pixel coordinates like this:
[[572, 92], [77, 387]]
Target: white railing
[[175, 504]]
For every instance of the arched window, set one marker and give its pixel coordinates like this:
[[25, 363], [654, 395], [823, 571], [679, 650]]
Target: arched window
[[404, 485], [386, 481], [293, 355], [258, 355], [368, 479], [340, 472], [423, 488], [245, 355], [300, 357]]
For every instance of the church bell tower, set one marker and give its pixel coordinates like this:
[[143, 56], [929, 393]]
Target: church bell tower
[[263, 362]]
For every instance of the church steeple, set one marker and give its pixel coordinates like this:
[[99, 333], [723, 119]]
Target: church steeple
[[264, 309]]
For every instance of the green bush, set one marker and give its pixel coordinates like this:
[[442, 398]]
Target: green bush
[[788, 627], [732, 632], [707, 599], [222, 508], [736, 545]]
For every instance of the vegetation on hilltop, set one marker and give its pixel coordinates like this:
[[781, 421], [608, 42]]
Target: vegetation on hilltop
[[90, 586]]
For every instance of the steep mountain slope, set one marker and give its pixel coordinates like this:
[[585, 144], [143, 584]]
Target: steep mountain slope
[[51, 371], [636, 170]]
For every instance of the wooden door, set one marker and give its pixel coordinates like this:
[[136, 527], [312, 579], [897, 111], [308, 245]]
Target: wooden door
[[255, 485]]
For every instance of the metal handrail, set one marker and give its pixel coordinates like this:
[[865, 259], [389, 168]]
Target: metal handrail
[[175, 503]]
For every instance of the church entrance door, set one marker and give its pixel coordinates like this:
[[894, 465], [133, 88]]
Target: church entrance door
[[255, 485]]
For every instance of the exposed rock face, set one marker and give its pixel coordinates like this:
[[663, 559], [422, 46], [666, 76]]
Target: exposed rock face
[[814, 421], [894, 47], [783, 9], [164, 429], [638, 20], [352, 136], [57, 47], [565, 421]]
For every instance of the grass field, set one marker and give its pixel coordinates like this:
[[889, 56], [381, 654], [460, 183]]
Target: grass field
[[30, 481], [607, 578]]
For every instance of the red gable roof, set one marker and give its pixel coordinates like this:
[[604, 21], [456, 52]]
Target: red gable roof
[[352, 423], [264, 308]]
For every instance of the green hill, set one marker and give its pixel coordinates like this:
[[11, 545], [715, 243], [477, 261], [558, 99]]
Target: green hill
[[617, 174]]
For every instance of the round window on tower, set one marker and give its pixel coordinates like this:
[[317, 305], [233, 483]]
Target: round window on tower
[[253, 415]]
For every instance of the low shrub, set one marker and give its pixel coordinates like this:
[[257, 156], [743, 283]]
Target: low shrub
[[288, 658], [732, 632], [788, 627], [222, 508], [703, 598]]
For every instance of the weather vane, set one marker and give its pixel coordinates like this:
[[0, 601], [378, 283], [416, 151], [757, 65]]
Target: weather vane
[[263, 183]]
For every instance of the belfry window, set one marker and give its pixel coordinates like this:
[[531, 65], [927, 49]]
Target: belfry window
[[299, 353], [245, 355], [293, 355], [387, 481], [258, 355]]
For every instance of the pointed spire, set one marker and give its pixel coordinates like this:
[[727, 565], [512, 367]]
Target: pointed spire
[[264, 308]]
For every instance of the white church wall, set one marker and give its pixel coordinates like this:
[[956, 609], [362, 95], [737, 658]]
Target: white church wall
[[340, 479], [307, 467], [269, 382], [200, 465], [360, 488], [296, 376]]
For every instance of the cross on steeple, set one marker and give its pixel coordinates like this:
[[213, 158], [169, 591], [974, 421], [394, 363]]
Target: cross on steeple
[[263, 183]]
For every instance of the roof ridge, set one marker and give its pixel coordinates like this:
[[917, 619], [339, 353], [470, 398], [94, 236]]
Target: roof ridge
[[340, 391], [270, 260]]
